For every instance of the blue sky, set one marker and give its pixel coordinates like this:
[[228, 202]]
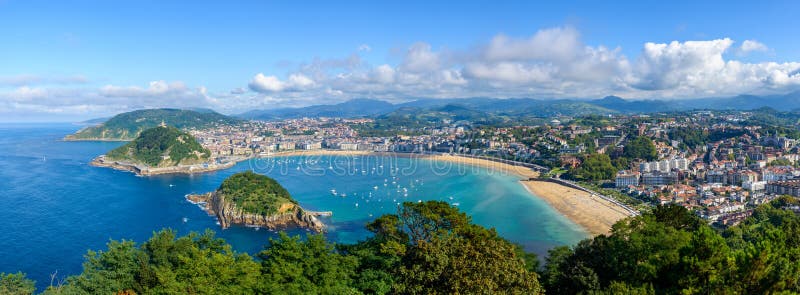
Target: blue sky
[[65, 59]]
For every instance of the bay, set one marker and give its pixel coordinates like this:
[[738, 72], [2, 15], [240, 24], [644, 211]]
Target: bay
[[55, 206]]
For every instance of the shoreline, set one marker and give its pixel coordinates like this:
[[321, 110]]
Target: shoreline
[[100, 161], [593, 214]]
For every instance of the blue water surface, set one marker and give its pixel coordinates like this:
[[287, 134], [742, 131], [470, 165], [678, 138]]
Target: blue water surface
[[54, 206]]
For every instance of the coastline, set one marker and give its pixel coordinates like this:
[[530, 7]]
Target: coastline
[[100, 161], [590, 212], [593, 214]]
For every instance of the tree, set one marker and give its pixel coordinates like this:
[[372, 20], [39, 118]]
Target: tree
[[292, 266], [193, 264], [16, 284], [640, 148], [595, 167], [448, 254]]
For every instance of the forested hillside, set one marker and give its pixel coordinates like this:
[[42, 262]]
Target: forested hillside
[[127, 126], [161, 147]]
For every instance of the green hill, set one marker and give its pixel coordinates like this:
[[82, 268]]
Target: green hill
[[127, 126], [256, 193], [161, 147]]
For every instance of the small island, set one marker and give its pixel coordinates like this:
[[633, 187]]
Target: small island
[[161, 150], [251, 199]]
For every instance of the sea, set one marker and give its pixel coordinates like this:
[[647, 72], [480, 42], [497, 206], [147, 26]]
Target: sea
[[54, 207]]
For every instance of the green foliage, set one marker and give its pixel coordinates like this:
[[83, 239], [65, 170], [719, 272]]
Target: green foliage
[[640, 148], [429, 248], [127, 126], [255, 193], [781, 162], [292, 266], [432, 248], [670, 251], [16, 284], [153, 145], [194, 264], [442, 252], [595, 167]]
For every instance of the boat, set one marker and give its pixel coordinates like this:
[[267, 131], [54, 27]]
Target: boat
[[375, 187], [185, 219], [456, 204]]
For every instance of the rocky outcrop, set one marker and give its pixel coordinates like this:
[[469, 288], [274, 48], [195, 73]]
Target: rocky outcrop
[[290, 215]]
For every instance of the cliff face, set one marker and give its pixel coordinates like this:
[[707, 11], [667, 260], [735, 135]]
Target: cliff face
[[228, 214]]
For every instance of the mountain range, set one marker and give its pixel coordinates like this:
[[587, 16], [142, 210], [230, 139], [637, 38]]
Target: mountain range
[[516, 107]]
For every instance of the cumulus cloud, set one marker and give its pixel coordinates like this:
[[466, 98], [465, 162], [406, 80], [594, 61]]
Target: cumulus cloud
[[267, 84], [552, 62], [752, 45], [108, 99]]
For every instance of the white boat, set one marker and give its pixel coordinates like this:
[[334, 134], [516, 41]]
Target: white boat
[[185, 219], [456, 204]]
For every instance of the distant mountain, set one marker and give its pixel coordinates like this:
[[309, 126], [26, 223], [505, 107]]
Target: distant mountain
[[351, 108], [530, 107], [127, 126], [161, 147], [95, 121]]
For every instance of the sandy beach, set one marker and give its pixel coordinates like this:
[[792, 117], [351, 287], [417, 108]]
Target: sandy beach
[[523, 172], [592, 213]]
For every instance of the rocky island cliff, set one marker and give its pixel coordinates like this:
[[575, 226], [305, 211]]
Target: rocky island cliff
[[252, 199]]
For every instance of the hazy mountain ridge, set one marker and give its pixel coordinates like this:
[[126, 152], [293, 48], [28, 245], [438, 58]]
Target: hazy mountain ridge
[[516, 107]]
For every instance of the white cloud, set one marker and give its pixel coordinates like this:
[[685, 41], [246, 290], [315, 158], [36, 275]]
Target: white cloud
[[266, 84], [261, 83], [420, 58], [552, 62], [364, 47], [752, 45], [548, 44], [31, 80], [104, 100]]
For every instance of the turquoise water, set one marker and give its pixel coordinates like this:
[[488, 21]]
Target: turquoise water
[[55, 206]]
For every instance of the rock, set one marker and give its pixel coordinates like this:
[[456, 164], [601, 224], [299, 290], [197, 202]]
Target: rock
[[229, 214]]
